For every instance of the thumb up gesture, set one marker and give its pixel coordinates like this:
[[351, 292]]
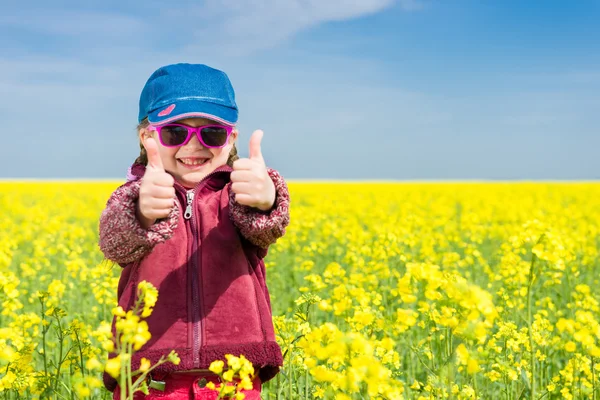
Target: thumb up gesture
[[251, 182], [157, 191]]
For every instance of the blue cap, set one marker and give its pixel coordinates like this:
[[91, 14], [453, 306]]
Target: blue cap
[[185, 91]]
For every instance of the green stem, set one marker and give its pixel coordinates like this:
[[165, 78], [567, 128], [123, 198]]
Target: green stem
[[122, 381], [44, 331], [122, 377], [143, 376], [80, 352], [291, 376], [306, 384], [71, 392], [412, 369], [60, 354], [129, 377], [530, 318]]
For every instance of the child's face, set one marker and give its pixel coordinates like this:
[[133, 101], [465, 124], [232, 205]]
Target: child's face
[[173, 158]]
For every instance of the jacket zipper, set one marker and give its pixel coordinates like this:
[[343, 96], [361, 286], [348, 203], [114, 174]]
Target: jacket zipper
[[196, 301], [197, 318], [188, 209]]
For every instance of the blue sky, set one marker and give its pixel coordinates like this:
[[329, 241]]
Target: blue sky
[[371, 89]]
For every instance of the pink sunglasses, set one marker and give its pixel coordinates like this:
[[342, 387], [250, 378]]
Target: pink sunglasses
[[175, 135]]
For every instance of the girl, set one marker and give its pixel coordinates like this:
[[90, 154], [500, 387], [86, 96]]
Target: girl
[[196, 221]]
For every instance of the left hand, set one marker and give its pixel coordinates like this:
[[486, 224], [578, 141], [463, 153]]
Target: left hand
[[251, 182]]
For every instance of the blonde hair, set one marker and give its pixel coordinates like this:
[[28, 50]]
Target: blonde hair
[[143, 157]]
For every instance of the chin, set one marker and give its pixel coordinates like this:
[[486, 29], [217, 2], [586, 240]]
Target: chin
[[195, 176]]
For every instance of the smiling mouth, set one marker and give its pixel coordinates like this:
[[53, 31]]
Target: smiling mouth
[[193, 162]]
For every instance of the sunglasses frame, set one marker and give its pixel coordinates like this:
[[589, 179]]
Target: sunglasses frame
[[190, 131]]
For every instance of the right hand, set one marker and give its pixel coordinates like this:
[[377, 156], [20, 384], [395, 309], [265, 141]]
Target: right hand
[[157, 191]]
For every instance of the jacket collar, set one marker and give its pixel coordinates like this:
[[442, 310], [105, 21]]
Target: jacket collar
[[216, 180]]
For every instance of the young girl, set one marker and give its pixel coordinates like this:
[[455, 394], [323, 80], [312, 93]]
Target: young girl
[[196, 221]]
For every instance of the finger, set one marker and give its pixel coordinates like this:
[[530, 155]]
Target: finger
[[255, 140], [243, 164], [149, 204], [154, 160], [162, 204], [244, 199], [162, 192], [241, 187], [242, 176], [164, 179], [157, 214]]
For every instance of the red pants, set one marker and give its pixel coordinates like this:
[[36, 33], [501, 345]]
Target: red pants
[[188, 387]]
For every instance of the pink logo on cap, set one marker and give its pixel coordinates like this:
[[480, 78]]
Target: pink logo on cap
[[167, 111]]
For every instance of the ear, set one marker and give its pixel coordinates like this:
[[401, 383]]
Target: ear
[[144, 133], [234, 136]]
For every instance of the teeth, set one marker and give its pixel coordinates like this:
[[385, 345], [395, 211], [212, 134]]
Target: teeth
[[193, 162]]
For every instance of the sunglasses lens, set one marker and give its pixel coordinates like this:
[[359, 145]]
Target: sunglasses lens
[[172, 135], [214, 136]]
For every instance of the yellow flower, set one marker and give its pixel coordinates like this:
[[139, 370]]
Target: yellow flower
[[319, 392], [463, 357], [228, 390], [173, 357], [82, 391], [113, 366], [118, 311], [149, 295], [233, 362], [6, 382], [144, 364], [217, 366], [108, 345], [93, 364], [246, 383], [228, 375]]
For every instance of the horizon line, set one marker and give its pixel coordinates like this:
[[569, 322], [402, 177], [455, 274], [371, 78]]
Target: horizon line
[[327, 180]]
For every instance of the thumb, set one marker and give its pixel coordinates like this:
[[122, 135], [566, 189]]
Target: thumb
[[154, 160], [255, 139]]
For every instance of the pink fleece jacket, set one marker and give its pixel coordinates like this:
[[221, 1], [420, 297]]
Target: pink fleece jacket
[[208, 269]]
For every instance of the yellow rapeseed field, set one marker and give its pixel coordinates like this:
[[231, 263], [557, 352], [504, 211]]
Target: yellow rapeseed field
[[379, 291]]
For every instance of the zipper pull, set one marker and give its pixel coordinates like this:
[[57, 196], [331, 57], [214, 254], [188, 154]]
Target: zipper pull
[[188, 209]]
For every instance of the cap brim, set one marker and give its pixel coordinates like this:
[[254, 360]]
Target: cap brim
[[193, 109]]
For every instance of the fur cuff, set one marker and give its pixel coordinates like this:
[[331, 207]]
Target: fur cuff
[[263, 228], [122, 237]]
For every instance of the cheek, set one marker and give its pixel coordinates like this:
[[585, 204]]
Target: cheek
[[167, 155], [219, 153]]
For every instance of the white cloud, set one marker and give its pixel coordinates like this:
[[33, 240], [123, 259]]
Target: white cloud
[[299, 11], [243, 26], [222, 27]]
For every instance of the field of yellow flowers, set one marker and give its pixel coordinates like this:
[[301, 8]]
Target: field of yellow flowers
[[381, 291]]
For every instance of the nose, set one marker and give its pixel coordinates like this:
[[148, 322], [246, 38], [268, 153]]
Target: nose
[[194, 142]]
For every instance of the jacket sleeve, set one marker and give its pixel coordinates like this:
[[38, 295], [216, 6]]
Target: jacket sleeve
[[122, 237], [263, 228]]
